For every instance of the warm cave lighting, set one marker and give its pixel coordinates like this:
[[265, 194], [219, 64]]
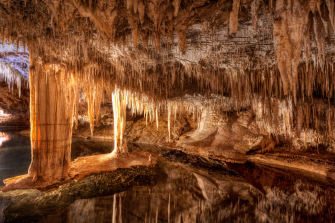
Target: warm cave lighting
[[3, 116], [135, 111], [3, 138]]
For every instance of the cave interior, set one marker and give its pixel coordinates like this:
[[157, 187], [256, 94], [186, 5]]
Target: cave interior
[[238, 81]]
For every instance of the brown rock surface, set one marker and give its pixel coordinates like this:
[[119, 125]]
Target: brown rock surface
[[223, 136], [82, 167]]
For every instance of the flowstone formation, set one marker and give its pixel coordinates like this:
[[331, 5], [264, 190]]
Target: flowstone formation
[[271, 61]]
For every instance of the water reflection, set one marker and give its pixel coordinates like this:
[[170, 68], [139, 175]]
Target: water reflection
[[185, 196], [181, 188], [3, 137], [14, 155]]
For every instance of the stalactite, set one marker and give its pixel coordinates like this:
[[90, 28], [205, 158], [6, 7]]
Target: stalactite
[[254, 12], [233, 19], [307, 42], [157, 119], [288, 31], [169, 120], [90, 103], [319, 37], [76, 108], [331, 8], [176, 5]]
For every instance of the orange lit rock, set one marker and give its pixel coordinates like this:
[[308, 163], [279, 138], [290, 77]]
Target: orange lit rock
[[51, 112], [82, 167]]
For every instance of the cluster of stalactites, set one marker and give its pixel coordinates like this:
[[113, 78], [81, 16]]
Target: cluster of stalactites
[[237, 90], [11, 76], [312, 122], [293, 24]]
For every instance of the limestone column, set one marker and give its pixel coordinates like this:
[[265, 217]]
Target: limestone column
[[51, 112], [119, 113]]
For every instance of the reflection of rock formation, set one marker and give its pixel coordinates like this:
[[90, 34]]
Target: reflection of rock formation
[[82, 211]]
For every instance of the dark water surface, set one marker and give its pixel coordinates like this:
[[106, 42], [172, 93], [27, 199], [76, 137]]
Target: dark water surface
[[181, 188]]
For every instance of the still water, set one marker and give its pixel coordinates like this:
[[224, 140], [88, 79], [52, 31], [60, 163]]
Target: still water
[[181, 188]]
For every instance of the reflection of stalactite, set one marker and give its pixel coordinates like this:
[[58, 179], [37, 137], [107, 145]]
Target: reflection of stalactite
[[114, 209], [120, 209], [169, 209]]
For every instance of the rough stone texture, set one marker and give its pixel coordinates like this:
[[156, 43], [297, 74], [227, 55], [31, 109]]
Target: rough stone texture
[[102, 184], [51, 106], [223, 136], [83, 167]]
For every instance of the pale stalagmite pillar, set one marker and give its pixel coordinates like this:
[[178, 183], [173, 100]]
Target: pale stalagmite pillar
[[119, 113], [51, 111]]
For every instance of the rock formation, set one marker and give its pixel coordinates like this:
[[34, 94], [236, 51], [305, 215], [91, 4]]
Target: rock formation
[[250, 73]]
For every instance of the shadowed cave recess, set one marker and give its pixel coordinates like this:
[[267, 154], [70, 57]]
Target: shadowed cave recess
[[236, 85]]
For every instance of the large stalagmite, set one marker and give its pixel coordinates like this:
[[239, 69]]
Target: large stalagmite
[[51, 112]]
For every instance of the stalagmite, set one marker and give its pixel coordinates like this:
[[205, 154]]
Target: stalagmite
[[51, 112], [119, 114]]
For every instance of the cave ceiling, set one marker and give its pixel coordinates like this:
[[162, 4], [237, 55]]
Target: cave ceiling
[[155, 37], [273, 52]]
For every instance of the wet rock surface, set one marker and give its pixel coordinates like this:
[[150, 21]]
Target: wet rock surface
[[181, 188], [32, 206]]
